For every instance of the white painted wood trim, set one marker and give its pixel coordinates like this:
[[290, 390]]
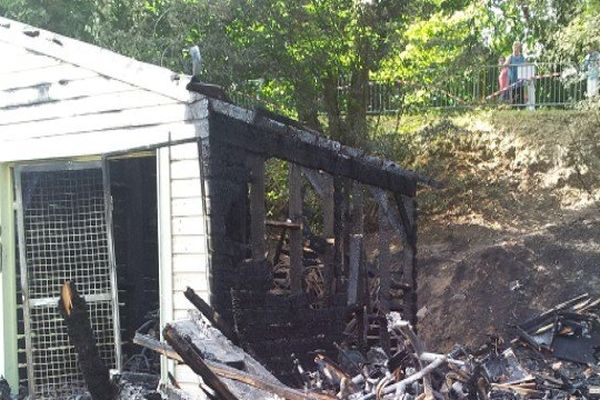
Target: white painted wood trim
[[44, 92], [165, 264], [22, 60], [57, 73], [93, 143], [101, 103], [127, 118], [94, 58]]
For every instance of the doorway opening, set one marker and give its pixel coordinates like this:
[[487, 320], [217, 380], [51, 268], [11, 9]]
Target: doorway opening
[[135, 234]]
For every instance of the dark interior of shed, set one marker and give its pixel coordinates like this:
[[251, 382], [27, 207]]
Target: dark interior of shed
[[135, 229]]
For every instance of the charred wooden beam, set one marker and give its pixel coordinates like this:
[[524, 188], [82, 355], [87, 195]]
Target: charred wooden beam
[[384, 262], [295, 215], [193, 359], [156, 345], [214, 317], [281, 391], [406, 330], [354, 266], [257, 207], [338, 231], [323, 185], [73, 309], [408, 213], [284, 224], [403, 218], [392, 214], [260, 134], [346, 230], [356, 227]]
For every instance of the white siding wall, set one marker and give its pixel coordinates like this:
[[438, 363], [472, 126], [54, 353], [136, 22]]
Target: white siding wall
[[51, 108], [187, 245]]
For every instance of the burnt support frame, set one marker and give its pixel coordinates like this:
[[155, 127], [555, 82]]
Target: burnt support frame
[[257, 133], [266, 135]]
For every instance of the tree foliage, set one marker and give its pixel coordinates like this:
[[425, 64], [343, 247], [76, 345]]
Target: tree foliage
[[296, 53]]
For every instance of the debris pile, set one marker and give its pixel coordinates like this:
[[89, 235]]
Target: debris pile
[[555, 356]]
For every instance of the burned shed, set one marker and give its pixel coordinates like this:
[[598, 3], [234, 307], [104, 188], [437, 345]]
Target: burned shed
[[117, 177]]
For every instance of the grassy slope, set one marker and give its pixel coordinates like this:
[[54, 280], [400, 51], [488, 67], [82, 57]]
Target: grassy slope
[[520, 205]]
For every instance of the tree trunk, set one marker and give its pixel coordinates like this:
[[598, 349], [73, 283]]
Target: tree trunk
[[357, 106], [307, 105], [332, 106]]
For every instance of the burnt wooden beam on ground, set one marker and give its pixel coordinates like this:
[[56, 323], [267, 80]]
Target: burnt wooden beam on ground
[[230, 373], [282, 391], [193, 359], [214, 317], [73, 309], [155, 345]]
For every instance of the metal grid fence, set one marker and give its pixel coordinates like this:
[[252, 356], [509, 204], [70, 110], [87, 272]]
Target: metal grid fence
[[65, 237], [549, 85], [536, 85], [541, 85]]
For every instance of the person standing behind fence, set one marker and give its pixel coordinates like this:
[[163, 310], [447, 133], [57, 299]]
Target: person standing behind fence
[[591, 65], [513, 62], [503, 79]]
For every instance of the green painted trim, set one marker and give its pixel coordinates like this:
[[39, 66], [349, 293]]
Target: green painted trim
[[8, 288]]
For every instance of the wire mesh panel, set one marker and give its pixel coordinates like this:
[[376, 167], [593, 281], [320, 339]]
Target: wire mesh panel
[[64, 236]]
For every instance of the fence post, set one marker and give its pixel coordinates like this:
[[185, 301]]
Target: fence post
[[531, 89]]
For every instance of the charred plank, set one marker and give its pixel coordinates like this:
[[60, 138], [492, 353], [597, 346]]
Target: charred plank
[[73, 309]]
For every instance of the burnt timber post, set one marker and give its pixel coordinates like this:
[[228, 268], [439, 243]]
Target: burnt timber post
[[234, 134], [257, 207], [74, 310], [295, 235]]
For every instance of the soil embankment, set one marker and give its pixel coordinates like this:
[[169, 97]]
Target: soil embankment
[[517, 230]]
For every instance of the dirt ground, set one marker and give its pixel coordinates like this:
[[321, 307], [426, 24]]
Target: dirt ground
[[517, 229], [475, 280]]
